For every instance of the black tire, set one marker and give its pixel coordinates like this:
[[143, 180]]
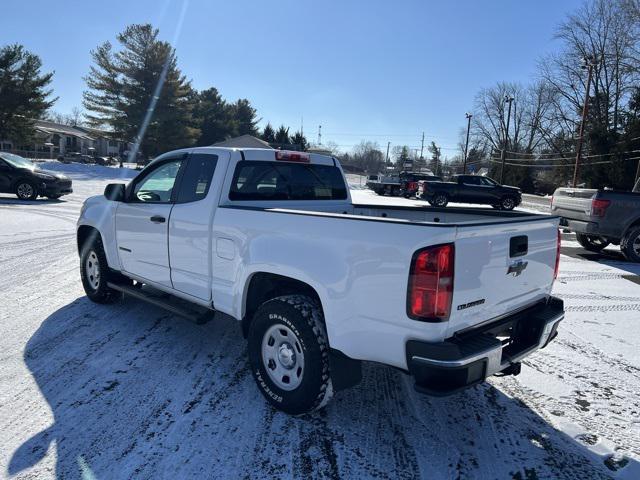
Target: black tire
[[630, 245], [439, 200], [593, 243], [96, 286], [26, 190], [304, 320], [508, 203], [395, 192], [53, 197]]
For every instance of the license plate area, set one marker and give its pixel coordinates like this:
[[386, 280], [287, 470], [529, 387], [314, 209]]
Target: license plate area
[[518, 336], [517, 333]]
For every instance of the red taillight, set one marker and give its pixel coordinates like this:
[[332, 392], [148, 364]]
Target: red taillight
[[431, 283], [286, 156], [412, 186], [557, 267], [599, 207]]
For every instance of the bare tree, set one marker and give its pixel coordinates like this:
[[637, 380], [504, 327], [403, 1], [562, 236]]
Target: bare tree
[[530, 122], [603, 32]]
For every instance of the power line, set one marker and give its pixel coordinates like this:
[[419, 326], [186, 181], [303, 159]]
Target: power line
[[514, 159], [604, 162]]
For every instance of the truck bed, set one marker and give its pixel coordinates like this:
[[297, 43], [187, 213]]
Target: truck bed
[[363, 252]]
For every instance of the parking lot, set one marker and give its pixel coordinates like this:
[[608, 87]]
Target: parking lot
[[86, 389]]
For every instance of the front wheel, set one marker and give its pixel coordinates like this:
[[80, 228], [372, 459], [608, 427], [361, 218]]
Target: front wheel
[[95, 273], [26, 191], [289, 354], [593, 243], [630, 245]]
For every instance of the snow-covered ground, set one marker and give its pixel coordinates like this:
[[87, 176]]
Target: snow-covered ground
[[129, 391]]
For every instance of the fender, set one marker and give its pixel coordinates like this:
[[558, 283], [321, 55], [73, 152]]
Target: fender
[[100, 213]]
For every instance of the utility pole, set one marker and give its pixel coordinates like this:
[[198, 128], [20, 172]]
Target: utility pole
[[509, 99], [466, 145], [319, 134], [437, 162], [422, 147], [589, 63], [387, 159]]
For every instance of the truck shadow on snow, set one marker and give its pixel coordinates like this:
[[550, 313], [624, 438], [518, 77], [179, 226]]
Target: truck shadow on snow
[[135, 392]]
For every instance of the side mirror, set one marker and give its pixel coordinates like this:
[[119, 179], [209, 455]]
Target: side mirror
[[115, 192]]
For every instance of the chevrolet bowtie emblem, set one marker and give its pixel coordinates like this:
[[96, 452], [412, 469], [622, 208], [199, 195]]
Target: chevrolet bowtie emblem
[[517, 268]]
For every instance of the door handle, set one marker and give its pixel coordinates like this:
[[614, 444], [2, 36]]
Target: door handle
[[158, 219]]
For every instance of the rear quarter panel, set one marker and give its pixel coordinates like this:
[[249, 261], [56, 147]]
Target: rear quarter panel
[[359, 269]]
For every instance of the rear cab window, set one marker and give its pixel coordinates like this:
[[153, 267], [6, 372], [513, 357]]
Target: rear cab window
[[276, 181]]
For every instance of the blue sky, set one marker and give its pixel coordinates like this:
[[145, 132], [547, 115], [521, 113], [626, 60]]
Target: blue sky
[[374, 70]]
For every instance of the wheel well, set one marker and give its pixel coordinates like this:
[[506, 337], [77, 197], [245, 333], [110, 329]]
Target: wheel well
[[636, 223], [85, 233], [265, 286], [15, 183]]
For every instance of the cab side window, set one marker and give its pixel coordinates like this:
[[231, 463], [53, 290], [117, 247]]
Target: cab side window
[[157, 185], [197, 177]]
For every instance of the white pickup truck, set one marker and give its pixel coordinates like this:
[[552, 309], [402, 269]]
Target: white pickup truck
[[319, 284]]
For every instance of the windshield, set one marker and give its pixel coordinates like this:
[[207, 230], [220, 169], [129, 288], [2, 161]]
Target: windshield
[[17, 161]]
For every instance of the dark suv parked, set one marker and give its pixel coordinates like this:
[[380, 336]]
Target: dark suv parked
[[22, 177], [470, 189]]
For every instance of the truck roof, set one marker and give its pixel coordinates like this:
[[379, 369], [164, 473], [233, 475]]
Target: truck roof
[[266, 154]]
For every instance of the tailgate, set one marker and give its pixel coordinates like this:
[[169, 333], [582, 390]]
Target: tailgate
[[500, 268], [573, 203]]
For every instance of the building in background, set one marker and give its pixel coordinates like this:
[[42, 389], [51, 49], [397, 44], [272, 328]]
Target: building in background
[[54, 139]]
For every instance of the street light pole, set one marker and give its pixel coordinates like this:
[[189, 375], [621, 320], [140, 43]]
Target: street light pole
[[509, 99], [466, 145], [589, 64]]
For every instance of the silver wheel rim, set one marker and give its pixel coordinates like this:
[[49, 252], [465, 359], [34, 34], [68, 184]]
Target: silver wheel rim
[[507, 204], [25, 190], [636, 245], [92, 270], [440, 200], [283, 357]]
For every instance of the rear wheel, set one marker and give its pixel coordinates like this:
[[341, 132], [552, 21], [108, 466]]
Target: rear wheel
[[26, 190], [95, 273], [439, 200], [508, 203], [630, 245], [593, 243], [289, 354]]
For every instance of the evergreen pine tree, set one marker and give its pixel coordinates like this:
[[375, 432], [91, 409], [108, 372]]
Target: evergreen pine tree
[[139, 92], [268, 134], [24, 93], [282, 136]]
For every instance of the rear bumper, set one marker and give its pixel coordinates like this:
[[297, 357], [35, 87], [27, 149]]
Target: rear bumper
[[469, 358], [579, 226]]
